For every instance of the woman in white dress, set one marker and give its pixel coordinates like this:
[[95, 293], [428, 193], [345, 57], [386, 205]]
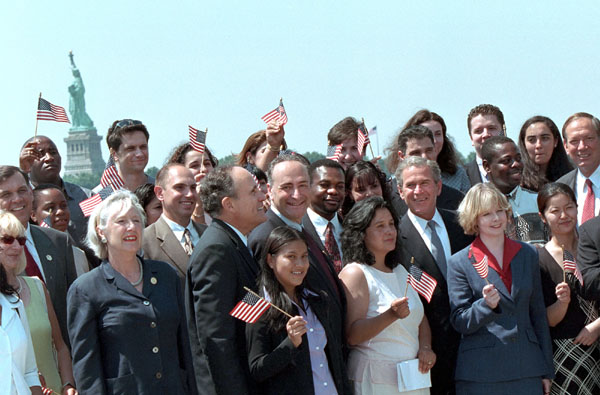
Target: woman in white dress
[[385, 323]]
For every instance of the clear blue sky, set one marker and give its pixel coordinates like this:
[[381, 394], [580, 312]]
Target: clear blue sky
[[222, 65]]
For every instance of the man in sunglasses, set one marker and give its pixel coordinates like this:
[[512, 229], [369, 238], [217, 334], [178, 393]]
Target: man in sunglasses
[[127, 142], [48, 252]]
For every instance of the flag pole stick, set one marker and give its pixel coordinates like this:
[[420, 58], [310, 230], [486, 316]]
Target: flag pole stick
[[412, 261], [562, 246], [377, 135], [257, 295], [36, 117], [366, 131], [202, 157]]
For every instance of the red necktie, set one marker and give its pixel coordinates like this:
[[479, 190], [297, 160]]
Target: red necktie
[[332, 248], [32, 268], [588, 204]]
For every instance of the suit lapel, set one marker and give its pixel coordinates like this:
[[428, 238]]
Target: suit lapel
[[44, 248], [171, 246], [414, 244], [242, 249], [473, 172], [310, 229], [118, 281]]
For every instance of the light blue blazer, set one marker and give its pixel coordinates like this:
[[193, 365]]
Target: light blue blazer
[[510, 342]]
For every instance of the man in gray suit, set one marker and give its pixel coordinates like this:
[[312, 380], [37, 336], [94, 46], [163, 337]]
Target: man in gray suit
[[581, 135], [172, 238], [49, 252]]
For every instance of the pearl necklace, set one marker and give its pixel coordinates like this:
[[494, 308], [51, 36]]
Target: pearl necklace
[[139, 281]]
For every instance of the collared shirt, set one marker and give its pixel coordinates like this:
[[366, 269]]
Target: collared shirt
[[179, 230], [320, 225], [240, 234], [581, 191], [425, 232], [33, 251], [287, 221], [482, 171]]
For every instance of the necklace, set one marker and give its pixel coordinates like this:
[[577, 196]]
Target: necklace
[[20, 286], [139, 280]]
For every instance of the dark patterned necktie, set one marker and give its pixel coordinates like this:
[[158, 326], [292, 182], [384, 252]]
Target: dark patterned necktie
[[332, 248], [188, 246]]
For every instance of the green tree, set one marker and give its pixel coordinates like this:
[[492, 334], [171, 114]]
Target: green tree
[[88, 181], [313, 156], [228, 160], [152, 171]]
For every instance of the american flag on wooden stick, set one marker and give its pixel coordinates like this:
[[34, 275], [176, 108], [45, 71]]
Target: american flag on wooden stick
[[570, 266], [334, 152], [197, 139], [111, 176], [49, 112], [482, 267], [422, 282], [276, 114], [47, 222], [250, 308], [363, 138], [89, 204]]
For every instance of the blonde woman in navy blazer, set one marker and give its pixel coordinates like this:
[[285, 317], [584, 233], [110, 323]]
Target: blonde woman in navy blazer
[[505, 346], [126, 317]]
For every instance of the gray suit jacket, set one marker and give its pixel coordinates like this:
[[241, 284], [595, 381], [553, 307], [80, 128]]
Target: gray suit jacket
[[570, 178], [160, 244], [56, 256]]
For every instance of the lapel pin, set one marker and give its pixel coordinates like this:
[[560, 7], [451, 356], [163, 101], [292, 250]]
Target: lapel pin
[[49, 257], [153, 280]]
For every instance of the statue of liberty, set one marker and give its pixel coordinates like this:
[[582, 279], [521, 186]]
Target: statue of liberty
[[79, 118]]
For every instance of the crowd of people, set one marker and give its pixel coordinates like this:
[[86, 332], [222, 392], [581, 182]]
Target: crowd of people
[[439, 277]]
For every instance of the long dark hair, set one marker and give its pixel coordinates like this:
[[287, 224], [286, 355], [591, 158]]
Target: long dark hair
[[558, 165], [355, 225], [5, 287], [364, 172], [279, 238]]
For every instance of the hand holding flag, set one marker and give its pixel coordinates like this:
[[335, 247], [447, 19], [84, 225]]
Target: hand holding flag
[[251, 307], [277, 114]]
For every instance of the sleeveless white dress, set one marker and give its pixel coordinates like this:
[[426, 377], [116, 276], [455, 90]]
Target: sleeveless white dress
[[372, 364]]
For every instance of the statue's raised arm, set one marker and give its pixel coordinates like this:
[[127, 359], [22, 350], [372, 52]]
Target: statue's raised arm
[[79, 118]]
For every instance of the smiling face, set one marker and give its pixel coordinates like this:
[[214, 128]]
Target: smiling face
[[178, 196], [290, 192], [349, 154], [505, 168], [492, 223], [327, 191], [52, 203], [290, 265], [438, 135], [420, 191], [132, 155], [11, 255], [16, 197], [423, 147], [47, 168], [246, 210], [484, 126], [380, 236], [540, 143], [123, 232], [560, 215], [582, 145]]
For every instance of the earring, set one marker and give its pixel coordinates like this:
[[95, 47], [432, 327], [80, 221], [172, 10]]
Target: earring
[[103, 240]]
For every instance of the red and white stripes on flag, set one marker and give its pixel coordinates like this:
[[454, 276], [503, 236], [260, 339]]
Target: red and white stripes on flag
[[111, 176], [250, 308], [89, 204], [422, 282], [334, 152], [278, 114], [570, 266], [47, 222], [363, 138], [49, 112], [197, 139], [482, 267]]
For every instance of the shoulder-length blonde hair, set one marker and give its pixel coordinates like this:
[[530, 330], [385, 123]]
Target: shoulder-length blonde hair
[[11, 226], [480, 199]]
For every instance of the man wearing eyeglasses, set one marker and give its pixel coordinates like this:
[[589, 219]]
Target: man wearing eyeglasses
[[127, 142], [48, 252]]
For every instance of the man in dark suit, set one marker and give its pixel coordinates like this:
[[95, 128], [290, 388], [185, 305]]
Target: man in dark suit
[[219, 269], [425, 234], [173, 236], [321, 222], [483, 122], [290, 193], [49, 252], [581, 135], [588, 257], [417, 140]]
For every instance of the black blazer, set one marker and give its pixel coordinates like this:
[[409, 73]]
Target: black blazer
[[127, 342], [219, 269], [445, 339], [280, 368], [588, 258], [448, 199], [55, 250], [472, 170], [316, 279]]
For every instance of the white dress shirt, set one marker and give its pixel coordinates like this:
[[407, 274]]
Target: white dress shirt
[[482, 172], [425, 232], [179, 230], [581, 191], [33, 251], [320, 225]]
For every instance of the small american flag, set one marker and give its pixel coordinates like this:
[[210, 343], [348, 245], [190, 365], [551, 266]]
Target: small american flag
[[570, 266], [111, 176], [197, 139], [250, 308], [89, 204], [363, 138], [481, 267], [277, 114], [49, 112], [373, 131], [334, 152], [422, 282], [47, 222]]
